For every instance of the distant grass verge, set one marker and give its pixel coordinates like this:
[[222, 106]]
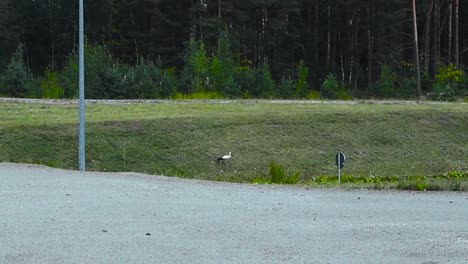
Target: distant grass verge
[[385, 144]]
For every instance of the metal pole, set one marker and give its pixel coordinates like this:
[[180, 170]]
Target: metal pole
[[81, 143], [339, 169]]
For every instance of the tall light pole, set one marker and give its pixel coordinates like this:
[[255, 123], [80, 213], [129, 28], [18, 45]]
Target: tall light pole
[[81, 141]]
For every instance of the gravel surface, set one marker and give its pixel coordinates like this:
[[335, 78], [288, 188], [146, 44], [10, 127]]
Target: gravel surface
[[56, 216], [215, 101]]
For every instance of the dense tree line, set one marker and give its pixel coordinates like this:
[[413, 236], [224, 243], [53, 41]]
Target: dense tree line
[[238, 48]]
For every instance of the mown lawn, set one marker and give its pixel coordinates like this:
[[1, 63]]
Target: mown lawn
[[184, 139]]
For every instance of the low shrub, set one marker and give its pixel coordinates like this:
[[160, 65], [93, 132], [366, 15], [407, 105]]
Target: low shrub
[[386, 85], [330, 86], [443, 92], [406, 87], [449, 81], [285, 88], [50, 86], [302, 86], [264, 85], [453, 175], [313, 95], [333, 89], [17, 79], [278, 176]]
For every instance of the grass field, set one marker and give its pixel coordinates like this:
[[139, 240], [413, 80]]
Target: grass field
[[184, 139]]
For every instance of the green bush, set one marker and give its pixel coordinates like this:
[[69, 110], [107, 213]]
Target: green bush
[[117, 81], [313, 95], [107, 78], [464, 83], [51, 87], [68, 76], [302, 86], [449, 81], [386, 85], [342, 94], [264, 84], [195, 75], [245, 78], [331, 87], [278, 176], [449, 74], [169, 83], [223, 68], [286, 88], [406, 87], [442, 92], [17, 79], [101, 73]]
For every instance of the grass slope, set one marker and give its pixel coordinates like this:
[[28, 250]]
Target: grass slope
[[184, 139]]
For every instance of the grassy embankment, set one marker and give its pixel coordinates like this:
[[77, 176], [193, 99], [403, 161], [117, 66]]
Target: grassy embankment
[[184, 139]]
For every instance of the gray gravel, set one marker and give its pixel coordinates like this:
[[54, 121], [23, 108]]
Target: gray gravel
[[217, 101], [56, 216]]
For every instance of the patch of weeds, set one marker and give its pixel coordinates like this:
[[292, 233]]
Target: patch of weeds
[[48, 163], [379, 186], [177, 173], [455, 186], [278, 176], [421, 185], [452, 181], [357, 180], [322, 179], [415, 185], [259, 179], [453, 175], [51, 163]]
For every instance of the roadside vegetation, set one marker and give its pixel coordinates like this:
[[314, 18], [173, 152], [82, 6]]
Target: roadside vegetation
[[215, 74], [404, 146]]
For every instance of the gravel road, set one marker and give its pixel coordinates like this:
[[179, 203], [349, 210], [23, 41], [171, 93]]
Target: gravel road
[[56, 216], [215, 101]]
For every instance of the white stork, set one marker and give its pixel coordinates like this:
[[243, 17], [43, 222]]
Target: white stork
[[224, 159]]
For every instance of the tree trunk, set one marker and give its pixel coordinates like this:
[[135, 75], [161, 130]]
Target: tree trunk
[[342, 64], [369, 51], [457, 48], [427, 36], [316, 34], [436, 33], [416, 52], [355, 50], [449, 52], [329, 34], [333, 38]]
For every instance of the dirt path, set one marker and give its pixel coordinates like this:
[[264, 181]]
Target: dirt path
[[217, 101]]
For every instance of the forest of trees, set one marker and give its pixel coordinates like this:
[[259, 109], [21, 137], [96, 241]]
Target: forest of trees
[[238, 49]]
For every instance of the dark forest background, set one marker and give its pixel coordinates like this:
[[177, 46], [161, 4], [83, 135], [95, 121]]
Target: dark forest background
[[236, 49]]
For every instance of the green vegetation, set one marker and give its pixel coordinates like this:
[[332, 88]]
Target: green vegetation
[[208, 75], [278, 176], [295, 49], [382, 142], [452, 181]]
